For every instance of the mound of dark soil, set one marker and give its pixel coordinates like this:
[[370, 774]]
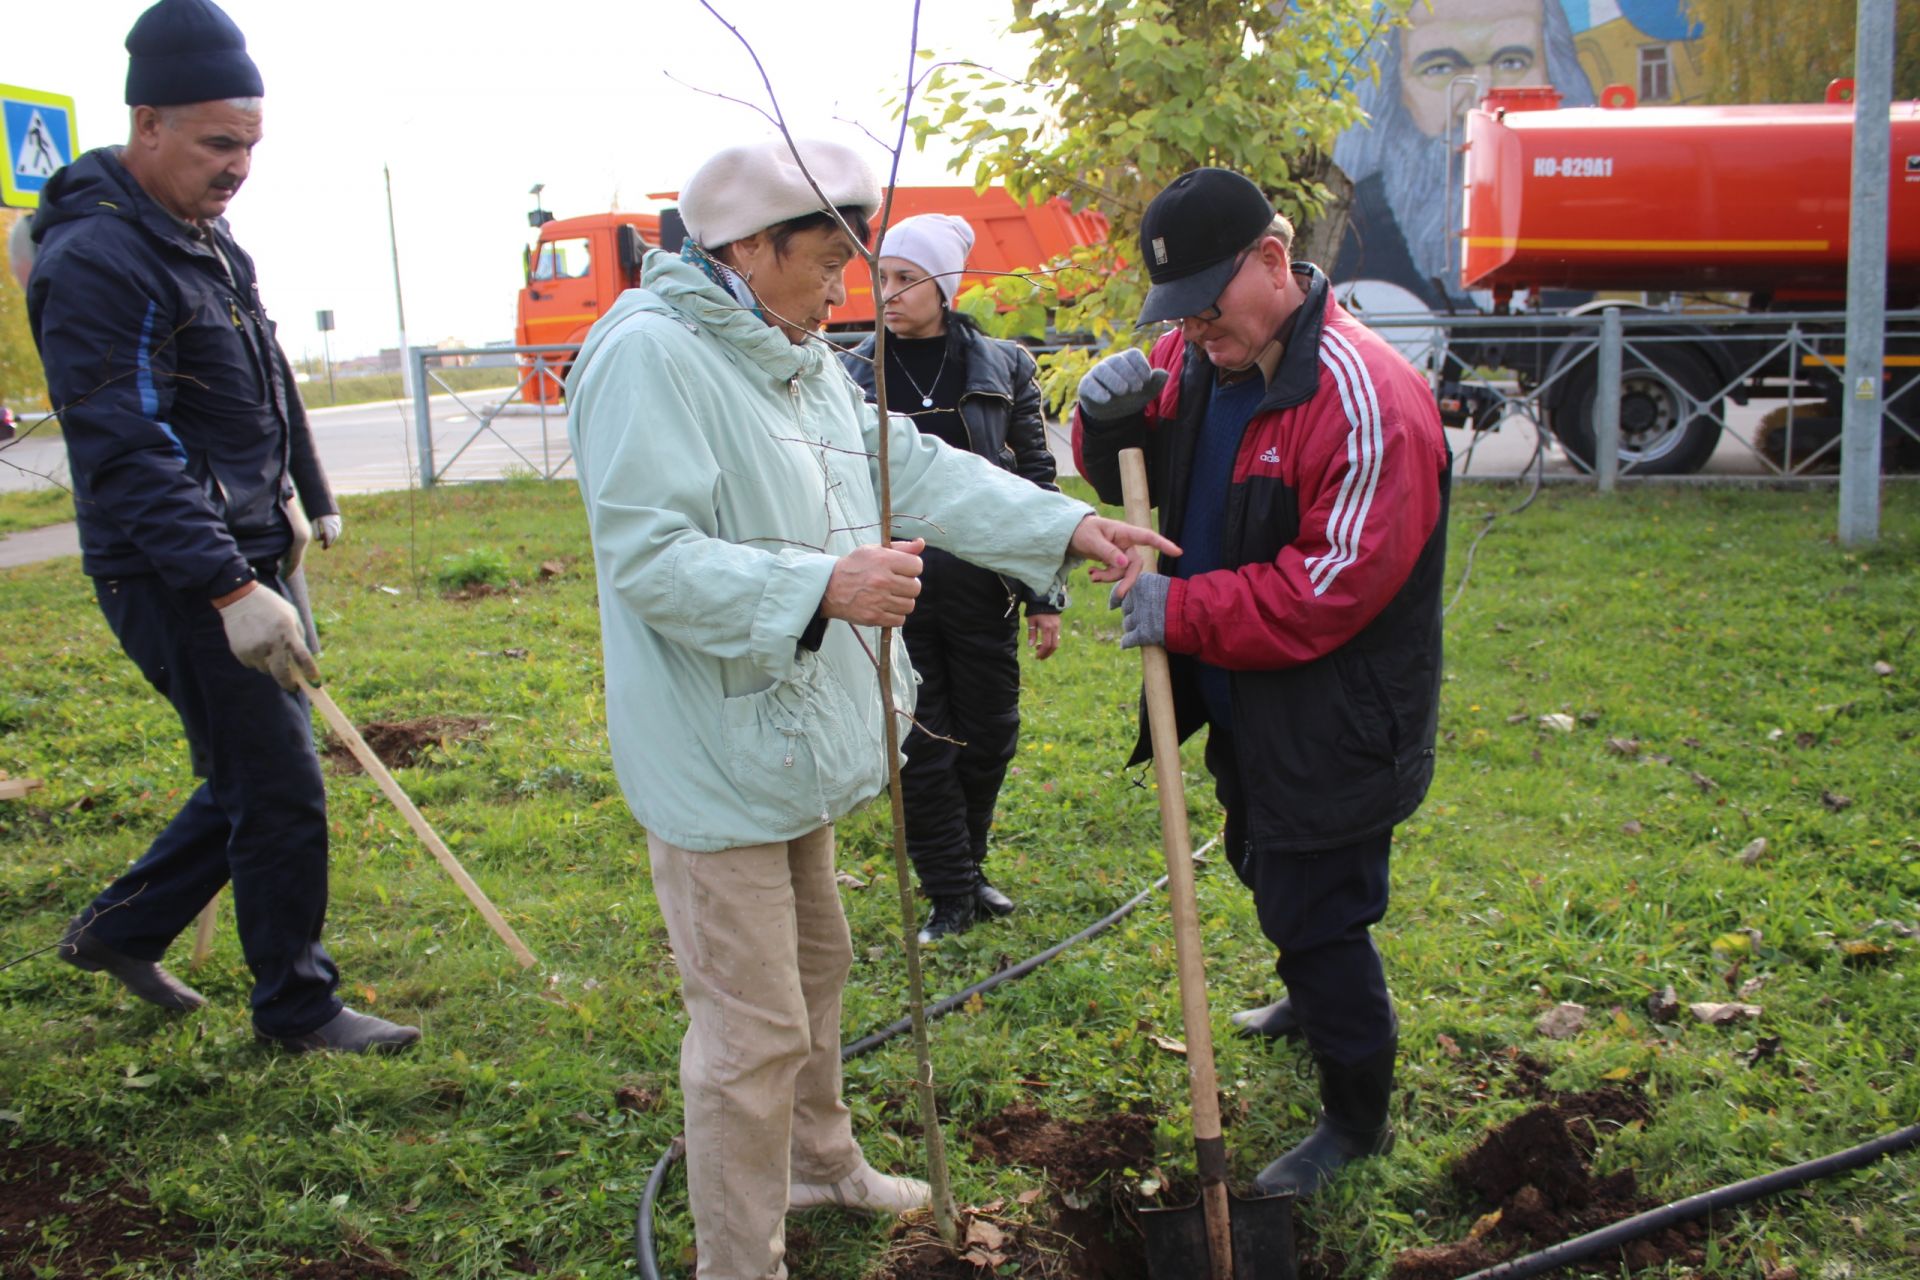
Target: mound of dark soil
[[1081, 1228], [65, 1216], [400, 744], [1533, 1173]]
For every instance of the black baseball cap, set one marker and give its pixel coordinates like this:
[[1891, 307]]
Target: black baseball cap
[[1191, 234]]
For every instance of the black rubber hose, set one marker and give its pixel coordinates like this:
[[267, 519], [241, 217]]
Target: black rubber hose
[[643, 1220], [1594, 1242]]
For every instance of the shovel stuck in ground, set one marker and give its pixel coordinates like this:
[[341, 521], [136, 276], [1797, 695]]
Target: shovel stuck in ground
[[1221, 1236]]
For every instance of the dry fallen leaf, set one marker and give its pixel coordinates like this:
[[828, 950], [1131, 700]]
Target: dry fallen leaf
[[1624, 746], [1702, 781], [1756, 849], [850, 880], [1719, 1015], [1485, 1226], [1558, 721], [1632, 826], [1562, 1022], [1169, 1044], [1883, 669], [1449, 1046], [1835, 801], [983, 1234], [1030, 1195]]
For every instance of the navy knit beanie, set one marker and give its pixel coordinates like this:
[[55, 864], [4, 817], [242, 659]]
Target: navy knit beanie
[[188, 51]]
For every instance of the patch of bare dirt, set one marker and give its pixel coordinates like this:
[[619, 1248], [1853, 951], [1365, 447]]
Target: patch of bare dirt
[[1534, 1177], [1079, 1226], [65, 1216], [401, 744]]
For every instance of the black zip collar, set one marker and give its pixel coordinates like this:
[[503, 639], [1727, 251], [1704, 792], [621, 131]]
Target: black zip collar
[[1298, 376]]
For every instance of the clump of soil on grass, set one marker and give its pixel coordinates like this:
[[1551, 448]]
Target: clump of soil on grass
[[1081, 1229], [400, 744], [1534, 1175], [66, 1215], [63, 1216]]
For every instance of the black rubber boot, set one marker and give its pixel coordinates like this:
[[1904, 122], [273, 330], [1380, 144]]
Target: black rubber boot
[[1274, 1021], [1353, 1125], [952, 914], [991, 901]]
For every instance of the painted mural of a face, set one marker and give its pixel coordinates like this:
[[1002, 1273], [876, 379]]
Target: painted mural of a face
[[1497, 41], [1398, 161]]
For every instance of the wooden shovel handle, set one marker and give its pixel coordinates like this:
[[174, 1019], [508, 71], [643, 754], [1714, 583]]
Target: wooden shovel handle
[[343, 727], [1210, 1149]]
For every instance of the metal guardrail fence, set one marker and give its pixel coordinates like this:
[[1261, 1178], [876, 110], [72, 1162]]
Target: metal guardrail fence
[[538, 389], [1779, 358], [1653, 356]]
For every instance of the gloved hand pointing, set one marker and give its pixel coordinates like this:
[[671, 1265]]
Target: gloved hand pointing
[[264, 632], [1120, 386]]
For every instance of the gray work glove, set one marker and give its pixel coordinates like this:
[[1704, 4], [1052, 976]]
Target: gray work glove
[[1143, 613], [265, 633], [1120, 386], [327, 529]]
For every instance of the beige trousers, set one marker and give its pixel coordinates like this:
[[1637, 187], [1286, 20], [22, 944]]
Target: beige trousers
[[763, 951]]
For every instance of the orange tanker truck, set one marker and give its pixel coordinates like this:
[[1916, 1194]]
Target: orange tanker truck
[[578, 266], [1730, 200]]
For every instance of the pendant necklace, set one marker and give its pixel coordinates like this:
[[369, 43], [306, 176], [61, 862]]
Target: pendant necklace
[[926, 394]]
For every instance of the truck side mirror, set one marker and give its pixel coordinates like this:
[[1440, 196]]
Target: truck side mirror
[[673, 231], [526, 263], [631, 247]]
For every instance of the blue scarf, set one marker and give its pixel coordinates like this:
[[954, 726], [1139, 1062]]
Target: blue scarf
[[722, 275]]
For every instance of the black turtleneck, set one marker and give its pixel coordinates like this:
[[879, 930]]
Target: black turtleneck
[[915, 374]]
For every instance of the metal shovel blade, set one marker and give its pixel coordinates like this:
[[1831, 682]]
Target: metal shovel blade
[[1262, 1239]]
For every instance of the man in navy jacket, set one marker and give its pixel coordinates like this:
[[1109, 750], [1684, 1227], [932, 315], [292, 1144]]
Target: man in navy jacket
[[187, 441], [1299, 462]]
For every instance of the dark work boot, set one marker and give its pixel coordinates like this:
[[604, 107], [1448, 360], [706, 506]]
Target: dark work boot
[[1353, 1125], [953, 913], [144, 978], [347, 1032], [1274, 1021], [990, 900]]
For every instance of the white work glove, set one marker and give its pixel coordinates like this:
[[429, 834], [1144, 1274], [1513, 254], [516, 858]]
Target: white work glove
[[265, 633], [302, 535], [1120, 386], [327, 529]]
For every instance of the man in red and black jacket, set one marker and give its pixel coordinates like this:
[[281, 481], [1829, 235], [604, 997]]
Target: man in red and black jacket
[[1299, 462]]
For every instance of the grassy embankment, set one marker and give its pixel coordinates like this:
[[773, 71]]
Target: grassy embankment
[[1723, 634]]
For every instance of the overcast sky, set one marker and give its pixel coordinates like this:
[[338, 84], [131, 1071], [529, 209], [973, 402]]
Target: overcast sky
[[472, 102]]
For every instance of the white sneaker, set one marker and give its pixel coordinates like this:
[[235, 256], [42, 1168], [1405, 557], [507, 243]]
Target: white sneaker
[[865, 1188]]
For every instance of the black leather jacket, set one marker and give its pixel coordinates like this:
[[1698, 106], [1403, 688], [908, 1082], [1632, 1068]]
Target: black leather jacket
[[1000, 408]]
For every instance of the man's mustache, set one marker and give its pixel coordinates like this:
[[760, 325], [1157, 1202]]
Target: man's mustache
[[227, 184]]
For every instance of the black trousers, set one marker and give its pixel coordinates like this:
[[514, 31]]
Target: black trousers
[[1318, 910], [258, 820], [964, 640]]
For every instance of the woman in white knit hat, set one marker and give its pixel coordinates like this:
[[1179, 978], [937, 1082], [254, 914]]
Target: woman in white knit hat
[[977, 394], [731, 490]]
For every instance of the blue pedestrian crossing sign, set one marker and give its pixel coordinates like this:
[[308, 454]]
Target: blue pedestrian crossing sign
[[40, 142]]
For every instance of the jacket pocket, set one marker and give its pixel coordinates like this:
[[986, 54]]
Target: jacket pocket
[[1371, 726], [797, 751]]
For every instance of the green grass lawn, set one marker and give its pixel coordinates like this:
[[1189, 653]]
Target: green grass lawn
[[34, 508], [1729, 674]]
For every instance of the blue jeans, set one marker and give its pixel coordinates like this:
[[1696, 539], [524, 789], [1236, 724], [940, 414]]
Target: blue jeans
[[258, 820]]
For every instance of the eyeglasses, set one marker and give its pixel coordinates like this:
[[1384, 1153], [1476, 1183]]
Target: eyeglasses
[[1212, 313]]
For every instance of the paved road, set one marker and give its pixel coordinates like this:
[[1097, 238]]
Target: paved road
[[371, 448]]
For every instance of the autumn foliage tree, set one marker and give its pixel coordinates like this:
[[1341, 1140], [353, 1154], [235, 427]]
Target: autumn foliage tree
[[1789, 50], [22, 385], [1121, 97]]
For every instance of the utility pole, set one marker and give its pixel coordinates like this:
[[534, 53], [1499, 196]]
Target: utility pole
[[399, 302], [324, 321], [1865, 398]]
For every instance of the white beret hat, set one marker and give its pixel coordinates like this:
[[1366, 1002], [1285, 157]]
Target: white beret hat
[[745, 189], [937, 243]]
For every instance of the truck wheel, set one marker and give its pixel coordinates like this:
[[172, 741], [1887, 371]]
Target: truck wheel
[[1669, 412]]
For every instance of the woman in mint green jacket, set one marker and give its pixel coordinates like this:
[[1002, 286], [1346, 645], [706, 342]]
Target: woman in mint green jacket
[[731, 481]]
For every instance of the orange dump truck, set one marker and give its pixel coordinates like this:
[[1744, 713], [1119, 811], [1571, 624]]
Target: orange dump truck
[[580, 265]]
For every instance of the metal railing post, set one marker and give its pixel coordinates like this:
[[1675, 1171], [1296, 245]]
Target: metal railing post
[[1867, 275], [1606, 404], [422, 414]]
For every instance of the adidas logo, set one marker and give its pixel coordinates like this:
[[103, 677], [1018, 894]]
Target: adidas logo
[[1271, 455]]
